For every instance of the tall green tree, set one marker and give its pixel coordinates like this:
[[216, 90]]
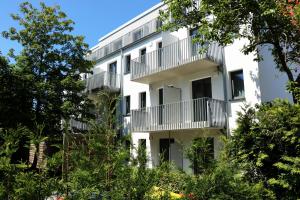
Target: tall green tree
[[52, 59], [274, 23], [15, 96]]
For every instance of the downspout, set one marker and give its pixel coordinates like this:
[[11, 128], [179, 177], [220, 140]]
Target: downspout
[[224, 70], [121, 93]]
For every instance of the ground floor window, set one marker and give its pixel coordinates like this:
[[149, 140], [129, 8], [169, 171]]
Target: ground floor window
[[164, 149], [142, 153], [201, 153]]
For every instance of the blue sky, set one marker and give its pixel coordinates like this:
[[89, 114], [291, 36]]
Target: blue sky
[[93, 18]]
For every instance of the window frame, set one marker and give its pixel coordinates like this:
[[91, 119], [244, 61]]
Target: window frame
[[115, 63], [143, 60], [232, 84], [141, 97], [127, 105], [127, 68]]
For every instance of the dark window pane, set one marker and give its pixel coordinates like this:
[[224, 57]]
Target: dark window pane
[[137, 35], [237, 84], [127, 105], [127, 64], [143, 100], [143, 56]]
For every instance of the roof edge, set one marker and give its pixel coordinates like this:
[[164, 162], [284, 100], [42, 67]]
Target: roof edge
[[130, 22]]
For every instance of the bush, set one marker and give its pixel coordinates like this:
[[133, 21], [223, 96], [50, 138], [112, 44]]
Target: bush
[[267, 142], [19, 180]]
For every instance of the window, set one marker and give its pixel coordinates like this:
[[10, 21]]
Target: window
[[159, 51], [113, 67], [237, 84], [127, 105], [127, 64], [142, 143], [118, 44], [137, 35], [142, 154], [143, 55], [194, 32], [159, 24], [195, 46], [106, 50], [142, 100], [164, 149]]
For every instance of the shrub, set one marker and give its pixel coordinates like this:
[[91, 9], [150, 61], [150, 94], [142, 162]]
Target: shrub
[[268, 141]]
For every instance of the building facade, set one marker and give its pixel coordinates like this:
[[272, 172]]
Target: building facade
[[172, 93]]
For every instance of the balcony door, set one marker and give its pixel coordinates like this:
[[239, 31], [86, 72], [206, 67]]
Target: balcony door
[[159, 54], [201, 89], [170, 150], [194, 46], [112, 73], [143, 56], [160, 105]]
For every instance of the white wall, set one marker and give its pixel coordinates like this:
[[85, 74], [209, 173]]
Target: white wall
[[236, 60], [272, 81], [103, 65], [184, 139], [185, 84]]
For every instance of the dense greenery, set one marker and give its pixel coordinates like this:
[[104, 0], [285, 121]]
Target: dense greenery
[[267, 142], [15, 96], [45, 77], [265, 23], [18, 179]]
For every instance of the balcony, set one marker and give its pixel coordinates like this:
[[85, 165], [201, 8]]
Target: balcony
[[177, 59], [78, 125], [129, 38], [192, 114], [103, 80]]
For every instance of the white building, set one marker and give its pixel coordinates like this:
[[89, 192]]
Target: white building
[[171, 93]]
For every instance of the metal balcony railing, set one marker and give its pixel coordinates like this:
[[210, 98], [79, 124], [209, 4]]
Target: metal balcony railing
[[138, 33], [103, 80], [172, 56], [197, 113], [78, 125]]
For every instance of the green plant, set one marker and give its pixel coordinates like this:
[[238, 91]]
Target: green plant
[[19, 180], [267, 140]]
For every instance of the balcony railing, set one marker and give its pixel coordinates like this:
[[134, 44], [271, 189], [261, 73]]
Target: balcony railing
[[78, 125], [192, 114], [172, 56], [103, 80], [138, 33]]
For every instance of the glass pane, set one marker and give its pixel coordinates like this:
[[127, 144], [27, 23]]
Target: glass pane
[[237, 84]]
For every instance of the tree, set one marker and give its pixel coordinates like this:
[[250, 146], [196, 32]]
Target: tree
[[51, 60], [15, 97], [267, 142], [263, 23]]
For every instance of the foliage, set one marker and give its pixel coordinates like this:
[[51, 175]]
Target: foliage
[[200, 153], [225, 181], [15, 96], [18, 179], [267, 138], [263, 23], [50, 62]]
